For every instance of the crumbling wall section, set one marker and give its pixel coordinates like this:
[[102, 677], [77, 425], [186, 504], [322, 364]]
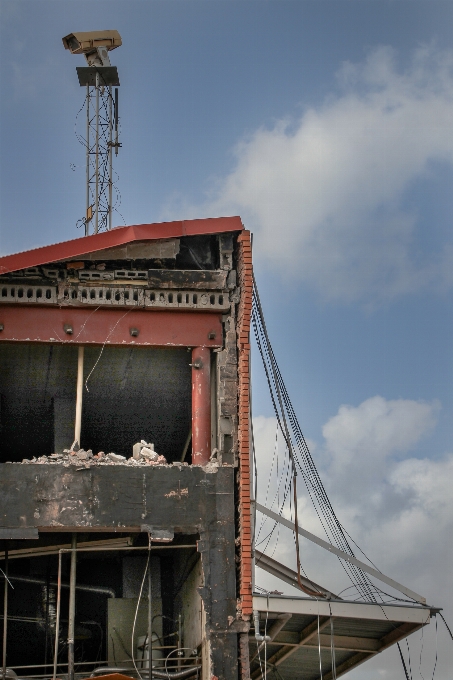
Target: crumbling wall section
[[227, 363]]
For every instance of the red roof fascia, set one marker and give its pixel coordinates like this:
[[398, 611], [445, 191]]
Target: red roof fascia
[[117, 237]]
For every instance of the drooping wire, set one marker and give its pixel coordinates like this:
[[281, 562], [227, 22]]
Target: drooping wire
[[435, 662], [300, 453], [301, 458], [421, 652], [409, 658], [403, 661], [281, 417], [446, 625], [319, 647], [138, 605]]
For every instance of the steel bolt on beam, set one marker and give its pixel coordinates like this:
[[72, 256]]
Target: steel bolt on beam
[[201, 405]]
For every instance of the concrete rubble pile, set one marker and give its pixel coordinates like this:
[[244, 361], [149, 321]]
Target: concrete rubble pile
[[142, 456]]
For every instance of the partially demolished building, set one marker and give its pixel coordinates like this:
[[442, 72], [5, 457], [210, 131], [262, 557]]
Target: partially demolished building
[[125, 495]]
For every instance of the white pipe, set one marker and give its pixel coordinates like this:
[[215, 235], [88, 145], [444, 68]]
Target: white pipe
[[78, 416], [256, 621]]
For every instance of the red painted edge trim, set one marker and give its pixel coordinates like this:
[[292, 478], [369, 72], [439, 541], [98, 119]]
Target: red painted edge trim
[[117, 237]]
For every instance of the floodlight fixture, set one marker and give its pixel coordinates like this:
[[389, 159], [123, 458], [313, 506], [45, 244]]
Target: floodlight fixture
[[101, 120]]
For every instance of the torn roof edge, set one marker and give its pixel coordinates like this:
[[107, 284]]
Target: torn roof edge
[[117, 237]]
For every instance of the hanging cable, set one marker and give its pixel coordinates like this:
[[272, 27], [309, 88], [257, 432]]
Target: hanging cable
[[138, 605], [332, 647], [446, 625], [286, 434], [300, 455], [319, 647], [403, 661], [435, 662]]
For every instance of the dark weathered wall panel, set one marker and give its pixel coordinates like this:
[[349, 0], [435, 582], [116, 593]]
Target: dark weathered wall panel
[[111, 497]]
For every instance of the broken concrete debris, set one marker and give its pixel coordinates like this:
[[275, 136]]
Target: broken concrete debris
[[143, 454], [145, 450]]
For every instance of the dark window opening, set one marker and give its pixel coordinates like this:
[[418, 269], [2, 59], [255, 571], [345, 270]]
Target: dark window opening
[[134, 393]]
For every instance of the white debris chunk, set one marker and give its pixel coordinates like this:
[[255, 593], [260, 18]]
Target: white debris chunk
[[149, 454], [137, 448], [116, 457]]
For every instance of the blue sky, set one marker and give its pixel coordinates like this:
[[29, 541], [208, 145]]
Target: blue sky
[[327, 126]]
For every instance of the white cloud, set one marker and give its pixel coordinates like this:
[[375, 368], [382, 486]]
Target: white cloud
[[324, 193], [360, 439], [397, 507]]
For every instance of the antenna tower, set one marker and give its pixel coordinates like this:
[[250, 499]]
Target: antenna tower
[[101, 81]]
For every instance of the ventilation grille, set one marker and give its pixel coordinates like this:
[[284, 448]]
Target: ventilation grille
[[28, 294], [139, 297], [110, 296]]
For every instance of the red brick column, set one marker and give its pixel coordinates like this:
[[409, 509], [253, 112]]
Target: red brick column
[[243, 330]]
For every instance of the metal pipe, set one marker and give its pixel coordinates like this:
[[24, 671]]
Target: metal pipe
[[201, 405], [46, 626], [96, 221], [186, 673], [79, 395], [110, 156], [101, 590], [5, 610], [256, 623], [133, 547], [273, 630], [72, 586], [57, 623], [53, 549], [87, 224], [179, 652], [150, 623]]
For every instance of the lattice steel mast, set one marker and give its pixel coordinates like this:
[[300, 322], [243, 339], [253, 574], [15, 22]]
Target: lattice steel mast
[[101, 136]]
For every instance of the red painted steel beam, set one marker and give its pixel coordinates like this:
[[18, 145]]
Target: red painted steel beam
[[201, 405], [110, 326], [117, 237]]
